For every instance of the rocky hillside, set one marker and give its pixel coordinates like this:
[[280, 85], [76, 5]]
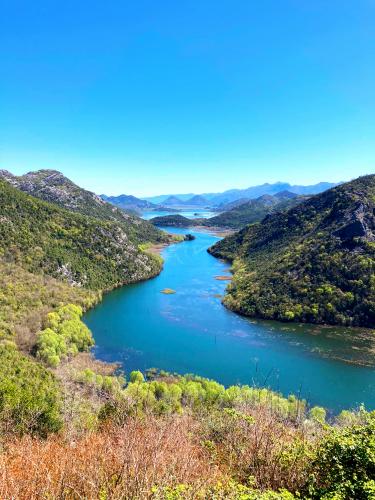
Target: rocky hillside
[[54, 187], [312, 263], [82, 250]]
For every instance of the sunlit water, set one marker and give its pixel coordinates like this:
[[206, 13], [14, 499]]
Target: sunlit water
[[191, 332], [191, 213]]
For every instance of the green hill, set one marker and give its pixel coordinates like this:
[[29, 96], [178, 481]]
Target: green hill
[[251, 211], [84, 251], [54, 187], [173, 221], [313, 263]]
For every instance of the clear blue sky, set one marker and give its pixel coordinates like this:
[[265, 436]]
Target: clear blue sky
[[150, 97]]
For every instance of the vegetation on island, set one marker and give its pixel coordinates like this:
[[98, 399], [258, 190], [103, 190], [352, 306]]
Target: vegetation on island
[[313, 263]]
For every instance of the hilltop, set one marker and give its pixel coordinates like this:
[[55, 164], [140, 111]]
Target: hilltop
[[52, 186], [129, 202], [313, 263]]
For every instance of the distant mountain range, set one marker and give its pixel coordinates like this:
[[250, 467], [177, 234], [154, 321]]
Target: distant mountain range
[[232, 195], [236, 215]]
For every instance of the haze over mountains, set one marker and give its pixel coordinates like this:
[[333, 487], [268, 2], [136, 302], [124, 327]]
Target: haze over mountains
[[217, 199], [237, 214]]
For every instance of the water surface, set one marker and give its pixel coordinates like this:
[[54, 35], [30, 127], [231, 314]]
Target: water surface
[[191, 332], [190, 213]]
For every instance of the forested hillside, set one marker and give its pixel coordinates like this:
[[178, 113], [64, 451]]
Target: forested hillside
[[54, 187], [312, 263], [82, 250]]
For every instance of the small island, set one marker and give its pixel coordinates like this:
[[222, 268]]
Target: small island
[[168, 291]]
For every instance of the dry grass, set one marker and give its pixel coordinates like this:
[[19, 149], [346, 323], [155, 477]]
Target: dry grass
[[117, 463]]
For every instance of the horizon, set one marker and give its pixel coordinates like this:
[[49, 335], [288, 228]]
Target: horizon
[[177, 194], [143, 98]]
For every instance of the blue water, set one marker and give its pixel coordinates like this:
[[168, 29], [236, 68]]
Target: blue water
[[191, 331], [191, 213]]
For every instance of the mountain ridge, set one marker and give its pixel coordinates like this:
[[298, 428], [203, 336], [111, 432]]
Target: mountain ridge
[[251, 192], [53, 187]]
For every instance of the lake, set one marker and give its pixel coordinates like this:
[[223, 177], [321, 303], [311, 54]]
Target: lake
[[192, 332], [190, 213]]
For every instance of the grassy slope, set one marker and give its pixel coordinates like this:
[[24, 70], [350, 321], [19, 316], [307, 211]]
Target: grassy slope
[[311, 263]]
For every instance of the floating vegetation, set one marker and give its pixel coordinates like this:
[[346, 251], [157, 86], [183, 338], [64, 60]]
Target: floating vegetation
[[168, 291]]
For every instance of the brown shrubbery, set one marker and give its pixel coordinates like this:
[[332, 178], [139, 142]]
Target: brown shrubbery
[[116, 462]]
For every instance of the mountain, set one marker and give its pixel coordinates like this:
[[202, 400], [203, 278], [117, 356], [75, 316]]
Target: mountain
[[247, 212], [313, 263], [173, 201], [232, 204], [272, 189], [253, 192], [52, 186], [84, 251], [286, 195], [160, 199], [251, 211], [196, 201], [129, 202]]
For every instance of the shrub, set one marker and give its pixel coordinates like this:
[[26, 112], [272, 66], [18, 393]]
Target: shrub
[[65, 335], [29, 395], [344, 466]]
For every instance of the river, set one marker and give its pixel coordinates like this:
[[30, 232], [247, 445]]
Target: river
[[191, 332]]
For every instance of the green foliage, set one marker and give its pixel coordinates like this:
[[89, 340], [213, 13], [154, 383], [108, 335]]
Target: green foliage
[[107, 383], [314, 263], [26, 298], [229, 491], [318, 414], [53, 187], [29, 395], [98, 254], [344, 467], [136, 377], [169, 394], [65, 334]]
